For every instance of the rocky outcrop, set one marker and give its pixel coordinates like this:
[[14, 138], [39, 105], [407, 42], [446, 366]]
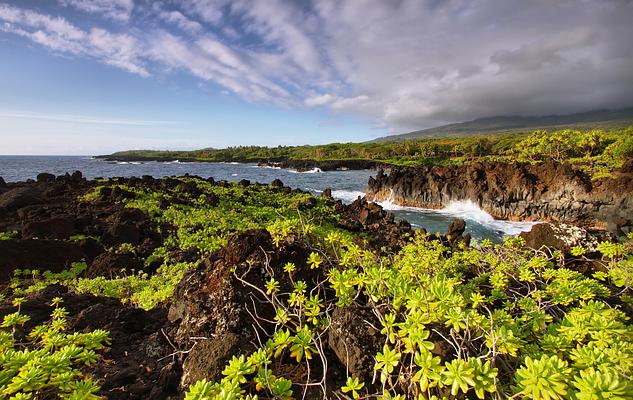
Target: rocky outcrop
[[562, 237], [545, 192], [362, 215]]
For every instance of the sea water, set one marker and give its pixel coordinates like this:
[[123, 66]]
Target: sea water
[[346, 186]]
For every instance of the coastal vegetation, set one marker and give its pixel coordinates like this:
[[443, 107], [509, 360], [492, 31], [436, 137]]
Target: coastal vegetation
[[597, 151], [424, 316]]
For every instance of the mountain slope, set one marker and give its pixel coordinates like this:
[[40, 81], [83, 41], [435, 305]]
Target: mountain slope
[[517, 124]]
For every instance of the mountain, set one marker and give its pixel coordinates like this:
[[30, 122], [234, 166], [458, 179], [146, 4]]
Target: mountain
[[521, 124]]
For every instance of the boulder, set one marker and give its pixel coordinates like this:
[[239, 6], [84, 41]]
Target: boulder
[[308, 203], [456, 228], [208, 357], [45, 177], [559, 236], [277, 183], [125, 226], [20, 197], [327, 193], [354, 340]]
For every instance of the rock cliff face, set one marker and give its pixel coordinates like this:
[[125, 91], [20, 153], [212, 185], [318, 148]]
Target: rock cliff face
[[546, 192]]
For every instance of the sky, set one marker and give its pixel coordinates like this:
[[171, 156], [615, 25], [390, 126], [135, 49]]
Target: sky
[[97, 76]]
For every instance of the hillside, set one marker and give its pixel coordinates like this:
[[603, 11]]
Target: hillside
[[597, 119]]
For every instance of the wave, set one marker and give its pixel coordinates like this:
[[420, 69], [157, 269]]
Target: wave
[[314, 170], [469, 211], [128, 163], [266, 166], [347, 196]]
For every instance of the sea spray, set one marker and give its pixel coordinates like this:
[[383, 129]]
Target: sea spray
[[347, 196], [467, 210]]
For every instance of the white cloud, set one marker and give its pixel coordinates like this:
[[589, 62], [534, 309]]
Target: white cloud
[[405, 64], [179, 19], [83, 119], [118, 10], [56, 33], [320, 100]]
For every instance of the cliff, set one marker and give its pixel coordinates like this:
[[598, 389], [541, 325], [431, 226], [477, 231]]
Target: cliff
[[546, 192]]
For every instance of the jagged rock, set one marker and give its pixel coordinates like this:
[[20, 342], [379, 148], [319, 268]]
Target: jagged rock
[[368, 216], [277, 183], [125, 226], [2, 182], [91, 249], [327, 193], [208, 357], [20, 197], [545, 192], [455, 233], [456, 228], [559, 236], [354, 340], [45, 177]]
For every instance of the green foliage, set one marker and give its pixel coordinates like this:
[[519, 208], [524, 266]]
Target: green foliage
[[543, 379], [8, 235], [596, 151], [352, 385], [512, 322], [47, 361]]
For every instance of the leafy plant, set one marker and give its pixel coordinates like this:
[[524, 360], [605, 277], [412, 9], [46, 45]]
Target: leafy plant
[[50, 361]]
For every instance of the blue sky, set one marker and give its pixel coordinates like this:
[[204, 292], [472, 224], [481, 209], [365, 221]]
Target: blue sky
[[96, 76]]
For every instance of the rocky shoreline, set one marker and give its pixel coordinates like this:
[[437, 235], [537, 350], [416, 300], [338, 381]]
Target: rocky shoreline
[[299, 165], [544, 192]]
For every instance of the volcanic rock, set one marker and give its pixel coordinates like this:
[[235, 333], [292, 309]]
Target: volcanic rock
[[52, 228], [20, 197], [559, 236], [42, 254], [545, 192]]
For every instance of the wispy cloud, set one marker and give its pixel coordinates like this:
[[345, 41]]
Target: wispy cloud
[[118, 10], [82, 119], [405, 65]]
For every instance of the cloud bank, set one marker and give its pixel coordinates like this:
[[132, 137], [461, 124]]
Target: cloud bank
[[402, 64]]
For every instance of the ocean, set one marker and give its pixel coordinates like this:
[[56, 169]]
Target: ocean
[[345, 185]]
